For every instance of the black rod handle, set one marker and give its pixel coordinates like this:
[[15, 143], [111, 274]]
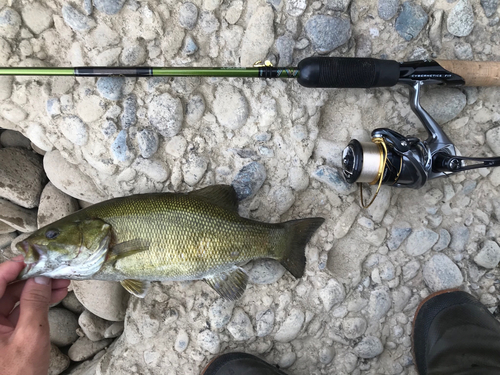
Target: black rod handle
[[347, 72]]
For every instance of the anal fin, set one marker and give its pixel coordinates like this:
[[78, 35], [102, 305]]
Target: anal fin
[[230, 284], [136, 287]]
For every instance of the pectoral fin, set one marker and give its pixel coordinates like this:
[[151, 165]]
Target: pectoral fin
[[136, 287], [229, 284], [127, 248]]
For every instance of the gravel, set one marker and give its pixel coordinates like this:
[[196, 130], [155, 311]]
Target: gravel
[[411, 21], [327, 33], [441, 273]]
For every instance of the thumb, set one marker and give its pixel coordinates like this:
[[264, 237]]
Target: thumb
[[34, 308]]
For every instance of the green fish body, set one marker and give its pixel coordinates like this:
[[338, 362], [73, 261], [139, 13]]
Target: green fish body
[[166, 237]]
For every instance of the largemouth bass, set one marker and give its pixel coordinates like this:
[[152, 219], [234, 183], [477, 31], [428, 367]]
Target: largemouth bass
[[165, 237]]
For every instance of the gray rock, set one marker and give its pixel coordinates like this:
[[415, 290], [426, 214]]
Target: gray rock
[[334, 180], [181, 341], [120, 147], [54, 205], [294, 8], [209, 341], [441, 273], [348, 216], [134, 55], [265, 322], [284, 45], [4, 229], [147, 141], [106, 299], [444, 103], [195, 108], [459, 237], [190, 46], [71, 303], [21, 176], [369, 347], [188, 15], [337, 5], [379, 303], [230, 107], [21, 219], [194, 169], [5, 81], [380, 206], [266, 271], [129, 115], [12, 138], [249, 180], [493, 139], [37, 17], [109, 128], [114, 330], [84, 348], [111, 87], [326, 354], [240, 326], [411, 20], [76, 20], [460, 21], [387, 8], [58, 361], [63, 325], [463, 51], [53, 107], [489, 7], [421, 241], [410, 270], [69, 179], [327, 33], [154, 169], [259, 36], [87, 7], [489, 255], [10, 23], [332, 294], [74, 129], [220, 313], [93, 326], [354, 327], [291, 327], [166, 115], [109, 6]]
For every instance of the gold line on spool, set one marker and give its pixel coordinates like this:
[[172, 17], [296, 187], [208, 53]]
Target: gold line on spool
[[380, 174]]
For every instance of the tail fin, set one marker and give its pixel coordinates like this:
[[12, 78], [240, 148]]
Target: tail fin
[[298, 234]]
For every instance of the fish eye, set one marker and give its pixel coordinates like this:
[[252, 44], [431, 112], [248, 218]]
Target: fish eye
[[51, 234]]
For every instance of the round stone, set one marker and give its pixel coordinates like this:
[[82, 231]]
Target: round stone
[[194, 169], [460, 21], [240, 326], [354, 327], [84, 348], [209, 341], [411, 20], [147, 140], [188, 15], [291, 327], [444, 103], [230, 107], [63, 325], [489, 255], [10, 22], [441, 273], [166, 115], [387, 8], [421, 241], [369, 347], [109, 6], [54, 205], [37, 17], [111, 87], [76, 20], [327, 33], [220, 313], [265, 322], [249, 180], [58, 361], [266, 271]]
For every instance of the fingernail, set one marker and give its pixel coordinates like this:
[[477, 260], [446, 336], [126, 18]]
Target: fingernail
[[42, 280]]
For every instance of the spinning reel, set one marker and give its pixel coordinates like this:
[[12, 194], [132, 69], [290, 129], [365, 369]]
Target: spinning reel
[[405, 161]]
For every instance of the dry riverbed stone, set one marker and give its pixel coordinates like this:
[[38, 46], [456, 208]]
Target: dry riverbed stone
[[63, 325]]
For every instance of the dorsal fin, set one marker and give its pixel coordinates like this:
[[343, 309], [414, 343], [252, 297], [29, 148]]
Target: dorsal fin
[[221, 195]]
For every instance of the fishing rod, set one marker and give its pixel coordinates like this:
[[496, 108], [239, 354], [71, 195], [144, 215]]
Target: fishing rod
[[391, 158]]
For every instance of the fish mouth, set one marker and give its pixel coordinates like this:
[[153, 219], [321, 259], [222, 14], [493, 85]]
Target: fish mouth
[[32, 255]]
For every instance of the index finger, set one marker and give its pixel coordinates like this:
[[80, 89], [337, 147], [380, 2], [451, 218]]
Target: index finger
[[8, 272]]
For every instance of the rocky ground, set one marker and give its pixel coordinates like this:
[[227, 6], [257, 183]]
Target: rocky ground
[[367, 270]]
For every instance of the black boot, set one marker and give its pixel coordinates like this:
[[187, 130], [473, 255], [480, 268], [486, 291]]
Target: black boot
[[453, 333], [240, 364]]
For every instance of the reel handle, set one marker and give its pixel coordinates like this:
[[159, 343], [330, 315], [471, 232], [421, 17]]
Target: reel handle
[[451, 163], [347, 72]]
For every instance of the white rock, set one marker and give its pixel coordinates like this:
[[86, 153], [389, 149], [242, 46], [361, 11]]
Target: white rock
[[332, 294], [106, 299], [283, 198], [265, 322], [266, 271], [75, 130], [166, 115], [54, 205], [37, 17], [58, 361], [489, 255], [12, 113], [240, 325], [369, 347], [194, 170], [114, 330], [209, 341], [220, 313], [181, 341], [90, 108], [10, 22], [291, 327], [36, 134], [379, 304], [287, 360], [298, 178], [71, 303], [83, 348], [5, 82], [176, 146], [230, 107], [63, 325], [156, 170], [342, 227], [17, 217], [259, 36], [69, 179], [354, 327], [441, 273], [93, 326]]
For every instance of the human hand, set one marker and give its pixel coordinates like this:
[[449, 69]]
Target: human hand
[[24, 329]]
